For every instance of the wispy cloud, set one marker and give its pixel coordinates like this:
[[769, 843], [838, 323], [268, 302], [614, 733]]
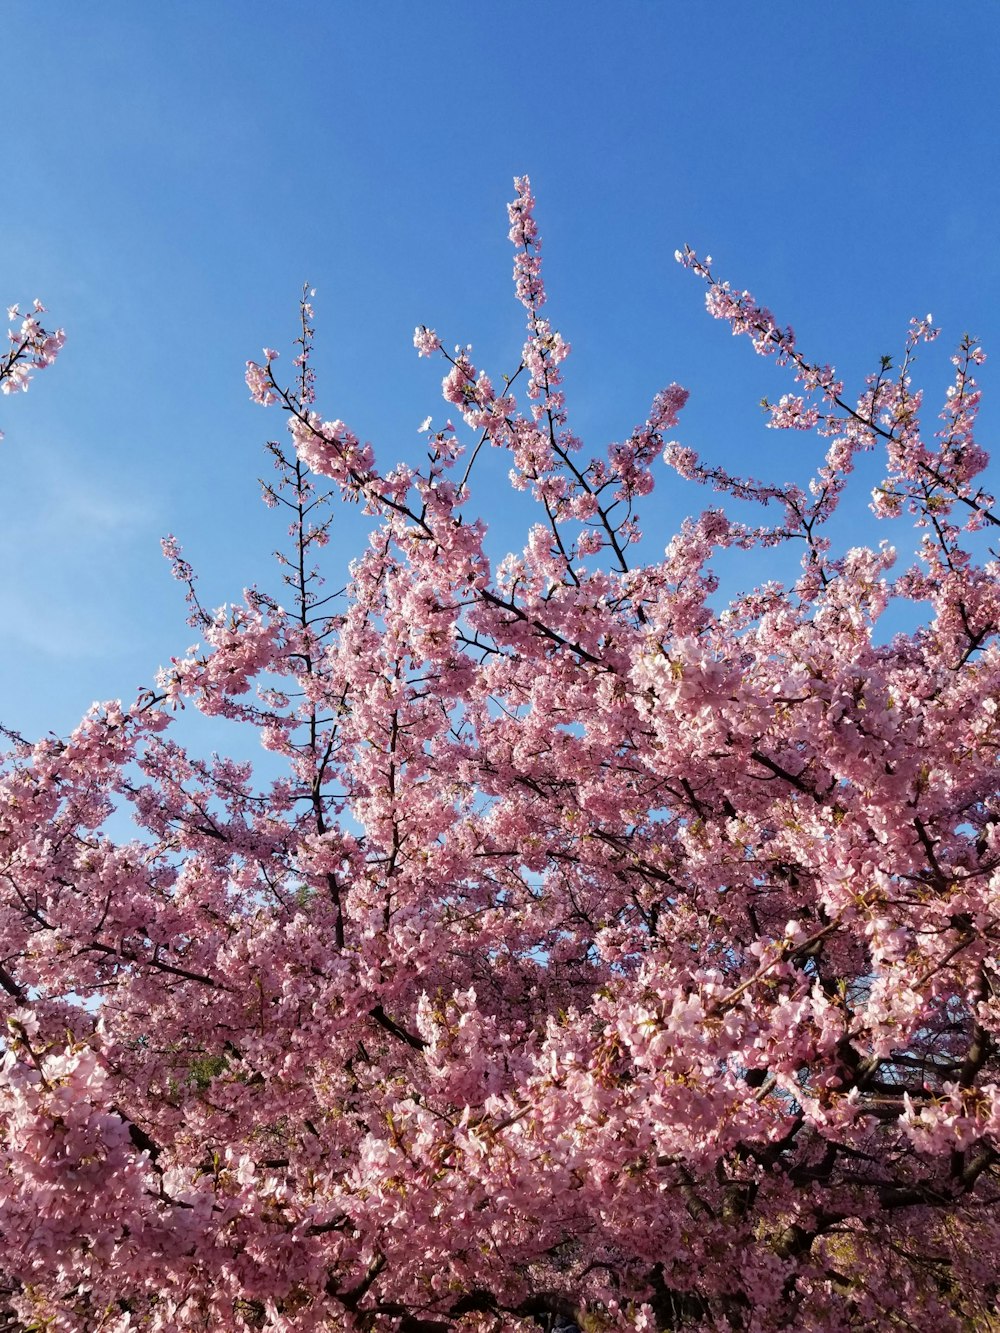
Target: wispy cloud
[[66, 548]]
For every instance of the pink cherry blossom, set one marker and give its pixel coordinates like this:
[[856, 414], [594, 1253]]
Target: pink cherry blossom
[[603, 955], [31, 348], [426, 341]]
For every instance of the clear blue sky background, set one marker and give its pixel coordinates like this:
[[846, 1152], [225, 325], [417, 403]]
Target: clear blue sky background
[[173, 173]]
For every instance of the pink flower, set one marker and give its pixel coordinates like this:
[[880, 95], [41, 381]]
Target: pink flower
[[425, 340], [260, 385]]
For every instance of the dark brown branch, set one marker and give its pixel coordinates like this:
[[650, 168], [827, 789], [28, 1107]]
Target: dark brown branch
[[384, 1021]]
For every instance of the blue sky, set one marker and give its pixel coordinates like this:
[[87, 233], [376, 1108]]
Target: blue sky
[[173, 173]]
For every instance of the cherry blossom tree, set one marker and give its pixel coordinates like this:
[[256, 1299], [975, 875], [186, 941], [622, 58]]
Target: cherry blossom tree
[[599, 958]]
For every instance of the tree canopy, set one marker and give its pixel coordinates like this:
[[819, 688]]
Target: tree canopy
[[599, 957]]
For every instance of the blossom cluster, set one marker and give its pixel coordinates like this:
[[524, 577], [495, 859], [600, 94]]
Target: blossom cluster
[[31, 347]]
